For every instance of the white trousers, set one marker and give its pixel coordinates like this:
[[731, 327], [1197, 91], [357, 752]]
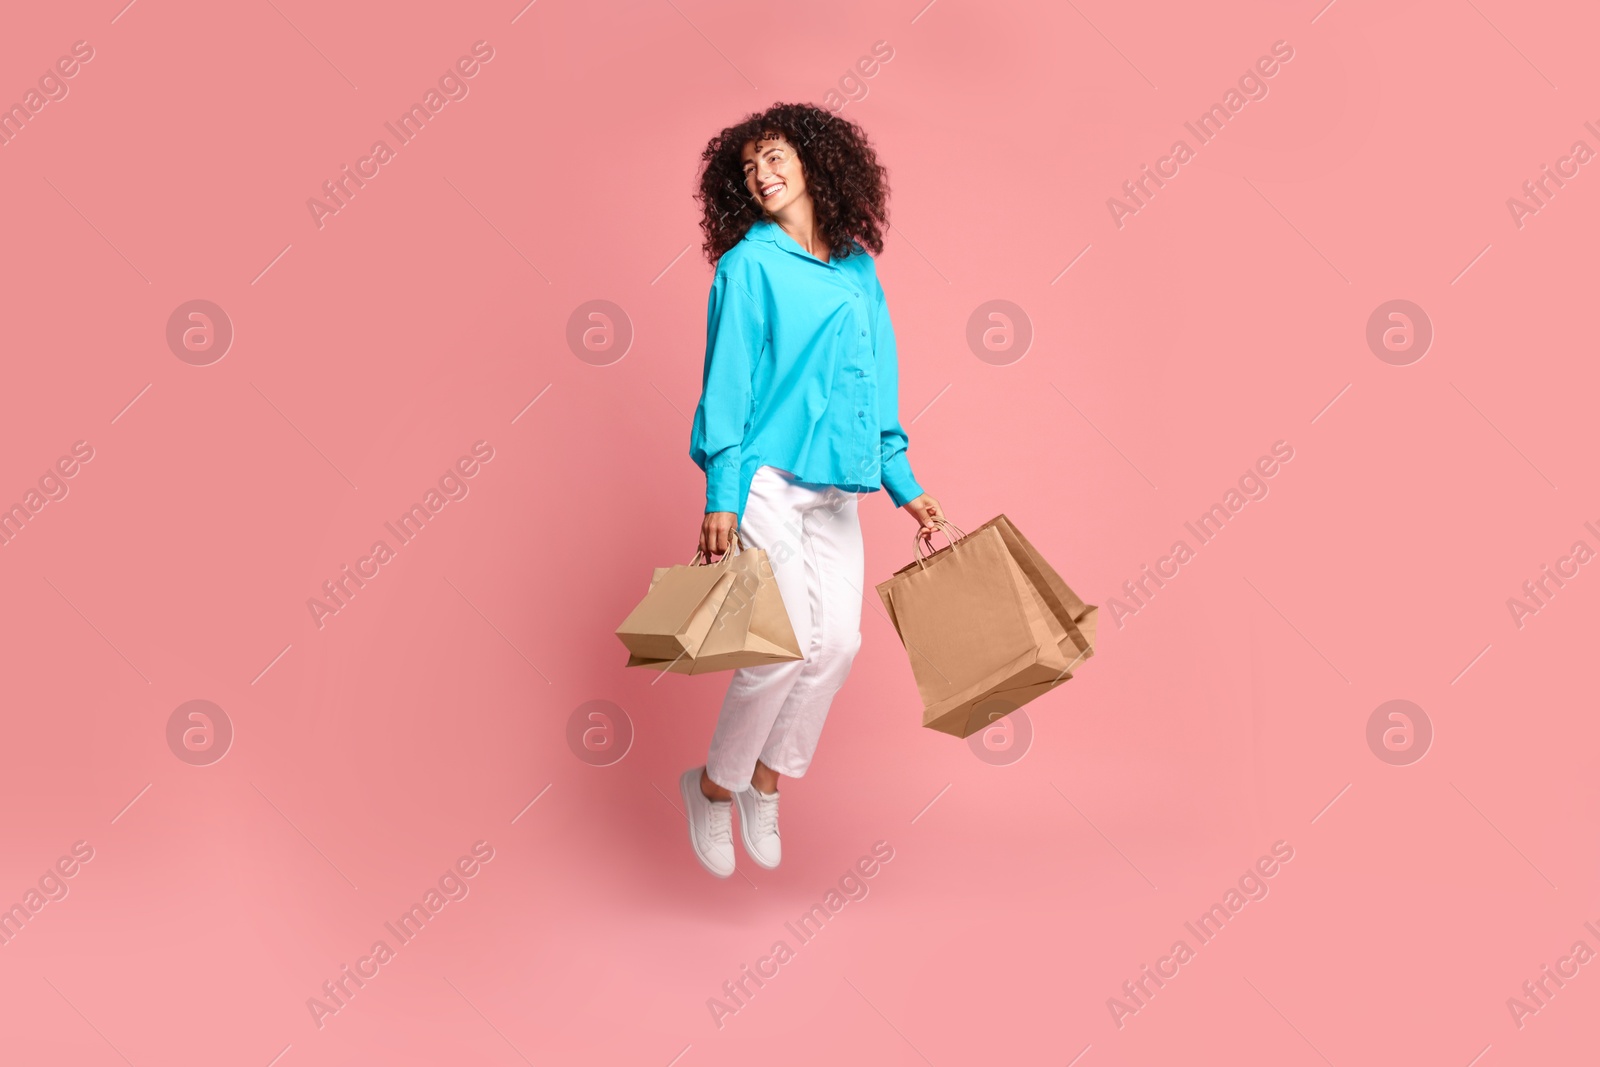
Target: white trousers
[[774, 712]]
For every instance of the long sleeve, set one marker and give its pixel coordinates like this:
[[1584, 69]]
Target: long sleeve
[[734, 331], [897, 477]]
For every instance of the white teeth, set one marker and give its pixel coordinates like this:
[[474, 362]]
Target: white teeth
[[769, 190]]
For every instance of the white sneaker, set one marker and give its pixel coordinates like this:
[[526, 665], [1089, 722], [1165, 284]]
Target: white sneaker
[[758, 826], [710, 825]]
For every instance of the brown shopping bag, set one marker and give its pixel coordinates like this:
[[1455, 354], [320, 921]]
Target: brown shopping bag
[[677, 611], [1080, 620], [748, 624], [988, 625]]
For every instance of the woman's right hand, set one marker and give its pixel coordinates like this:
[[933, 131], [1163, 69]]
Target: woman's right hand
[[716, 533]]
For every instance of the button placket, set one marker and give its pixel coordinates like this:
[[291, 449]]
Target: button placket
[[864, 387]]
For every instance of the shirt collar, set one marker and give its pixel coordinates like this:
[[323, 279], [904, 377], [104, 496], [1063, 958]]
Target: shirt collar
[[763, 230], [766, 229]]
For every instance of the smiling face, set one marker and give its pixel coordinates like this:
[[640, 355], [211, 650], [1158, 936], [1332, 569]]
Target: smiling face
[[773, 174]]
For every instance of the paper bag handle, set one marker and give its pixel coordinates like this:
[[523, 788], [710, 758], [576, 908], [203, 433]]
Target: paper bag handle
[[916, 538], [733, 543]]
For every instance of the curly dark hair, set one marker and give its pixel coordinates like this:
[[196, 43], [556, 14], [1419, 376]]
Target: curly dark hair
[[849, 188]]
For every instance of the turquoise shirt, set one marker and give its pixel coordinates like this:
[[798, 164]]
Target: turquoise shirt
[[801, 373]]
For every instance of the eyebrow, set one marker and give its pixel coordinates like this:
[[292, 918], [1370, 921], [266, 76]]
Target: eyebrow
[[764, 151]]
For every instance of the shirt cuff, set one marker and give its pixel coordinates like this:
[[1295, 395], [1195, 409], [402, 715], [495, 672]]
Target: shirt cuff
[[722, 488], [897, 479]]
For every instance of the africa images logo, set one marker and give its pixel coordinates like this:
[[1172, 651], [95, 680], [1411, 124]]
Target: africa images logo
[[452, 86], [1252, 85], [851, 886], [452, 485], [1251, 886], [1252, 485], [451, 886]]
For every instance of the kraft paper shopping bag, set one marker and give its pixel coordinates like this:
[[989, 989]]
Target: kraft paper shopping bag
[[677, 611], [750, 627], [988, 625], [1077, 618]]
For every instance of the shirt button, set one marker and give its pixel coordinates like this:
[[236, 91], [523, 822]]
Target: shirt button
[[861, 374], [863, 414], [863, 333]]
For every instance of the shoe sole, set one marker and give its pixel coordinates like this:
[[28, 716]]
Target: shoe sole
[[684, 785], [748, 850]]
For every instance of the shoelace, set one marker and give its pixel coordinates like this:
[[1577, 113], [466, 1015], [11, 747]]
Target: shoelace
[[766, 813], [720, 825]]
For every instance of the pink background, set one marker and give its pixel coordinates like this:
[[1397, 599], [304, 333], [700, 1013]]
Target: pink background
[[1230, 713]]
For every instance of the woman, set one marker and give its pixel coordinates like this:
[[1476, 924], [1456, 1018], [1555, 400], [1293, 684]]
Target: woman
[[798, 418]]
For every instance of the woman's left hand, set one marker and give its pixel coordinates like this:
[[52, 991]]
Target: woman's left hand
[[925, 509]]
